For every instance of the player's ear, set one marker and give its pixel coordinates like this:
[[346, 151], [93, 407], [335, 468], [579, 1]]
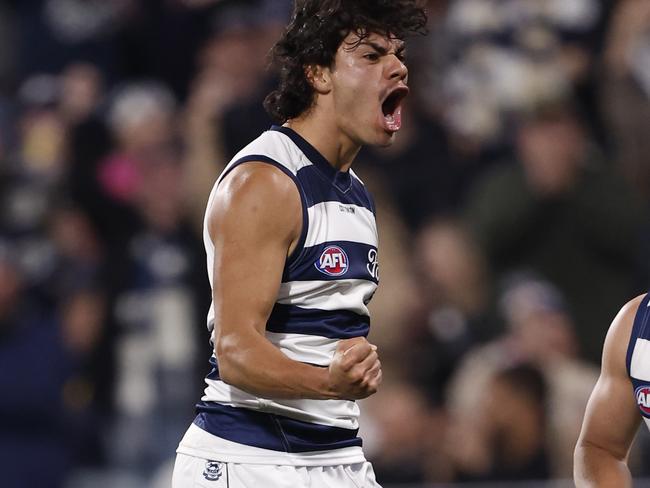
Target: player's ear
[[319, 77]]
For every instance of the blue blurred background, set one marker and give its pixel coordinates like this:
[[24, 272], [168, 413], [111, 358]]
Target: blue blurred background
[[513, 214]]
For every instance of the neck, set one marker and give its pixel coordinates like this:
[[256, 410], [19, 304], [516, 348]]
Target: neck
[[324, 134]]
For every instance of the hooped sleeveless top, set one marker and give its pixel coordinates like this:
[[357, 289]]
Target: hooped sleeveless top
[[327, 283]]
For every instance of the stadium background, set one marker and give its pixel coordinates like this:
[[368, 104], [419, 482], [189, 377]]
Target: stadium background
[[512, 212]]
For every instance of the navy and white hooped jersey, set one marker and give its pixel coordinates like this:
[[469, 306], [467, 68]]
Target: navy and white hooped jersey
[[638, 358], [326, 285]]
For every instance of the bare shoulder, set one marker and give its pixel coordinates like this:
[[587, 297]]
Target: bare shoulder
[[259, 182], [618, 336], [256, 173], [258, 193]]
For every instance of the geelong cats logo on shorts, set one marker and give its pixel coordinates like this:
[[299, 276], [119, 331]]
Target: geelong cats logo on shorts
[[333, 261], [642, 395], [213, 470]]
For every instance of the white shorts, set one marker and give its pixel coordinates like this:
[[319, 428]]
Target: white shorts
[[193, 472]]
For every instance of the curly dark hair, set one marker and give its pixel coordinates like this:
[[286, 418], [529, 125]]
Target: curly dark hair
[[315, 33]]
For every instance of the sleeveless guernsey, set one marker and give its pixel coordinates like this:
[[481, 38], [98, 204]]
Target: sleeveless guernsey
[[326, 285]]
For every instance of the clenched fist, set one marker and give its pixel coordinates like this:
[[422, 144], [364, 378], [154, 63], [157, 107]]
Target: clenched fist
[[355, 370]]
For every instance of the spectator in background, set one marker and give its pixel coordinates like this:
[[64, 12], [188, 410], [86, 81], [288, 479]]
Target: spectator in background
[[564, 212], [33, 422], [224, 108], [455, 298], [46, 406], [81, 89], [52, 33], [261, 24], [158, 302], [395, 303], [59, 262], [420, 173], [405, 452], [507, 52], [429, 56], [540, 333], [516, 414], [142, 125], [625, 90], [33, 201]]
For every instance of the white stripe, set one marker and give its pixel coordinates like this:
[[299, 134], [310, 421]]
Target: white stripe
[[334, 221], [335, 413], [640, 364], [218, 391], [278, 147], [334, 295], [305, 348]]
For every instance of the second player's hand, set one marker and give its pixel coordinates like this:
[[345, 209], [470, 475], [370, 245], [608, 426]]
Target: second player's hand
[[355, 371]]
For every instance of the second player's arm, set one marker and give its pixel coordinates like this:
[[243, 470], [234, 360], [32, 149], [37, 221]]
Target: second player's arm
[[612, 417], [254, 222]]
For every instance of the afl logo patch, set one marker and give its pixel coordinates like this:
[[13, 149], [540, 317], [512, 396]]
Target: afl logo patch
[[642, 395], [213, 470], [333, 261]]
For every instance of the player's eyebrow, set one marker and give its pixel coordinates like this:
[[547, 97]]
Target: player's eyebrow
[[381, 50]]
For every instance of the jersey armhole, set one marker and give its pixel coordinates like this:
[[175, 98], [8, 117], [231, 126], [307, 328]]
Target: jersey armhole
[[638, 328], [293, 258]]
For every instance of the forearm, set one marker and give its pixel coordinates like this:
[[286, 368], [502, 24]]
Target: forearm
[[251, 363], [595, 467]]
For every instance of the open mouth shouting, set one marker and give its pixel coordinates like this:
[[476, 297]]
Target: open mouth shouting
[[391, 108]]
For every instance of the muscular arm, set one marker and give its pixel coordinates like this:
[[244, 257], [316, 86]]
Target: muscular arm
[[254, 223], [612, 417]]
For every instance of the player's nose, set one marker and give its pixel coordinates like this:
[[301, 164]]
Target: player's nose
[[398, 69]]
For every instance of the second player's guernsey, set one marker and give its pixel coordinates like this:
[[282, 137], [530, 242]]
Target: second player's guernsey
[[326, 286], [638, 359]]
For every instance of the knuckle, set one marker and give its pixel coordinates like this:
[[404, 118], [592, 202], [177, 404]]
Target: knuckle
[[347, 363], [356, 376]]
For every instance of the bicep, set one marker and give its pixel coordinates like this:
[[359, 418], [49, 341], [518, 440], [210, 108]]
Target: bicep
[[612, 418], [253, 222]]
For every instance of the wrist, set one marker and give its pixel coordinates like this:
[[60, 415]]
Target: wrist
[[327, 386]]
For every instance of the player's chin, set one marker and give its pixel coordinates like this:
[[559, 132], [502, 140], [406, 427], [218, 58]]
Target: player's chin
[[386, 139], [379, 136]]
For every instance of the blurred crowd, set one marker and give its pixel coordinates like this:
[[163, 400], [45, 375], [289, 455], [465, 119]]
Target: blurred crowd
[[512, 210]]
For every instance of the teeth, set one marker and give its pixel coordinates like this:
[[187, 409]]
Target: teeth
[[390, 118]]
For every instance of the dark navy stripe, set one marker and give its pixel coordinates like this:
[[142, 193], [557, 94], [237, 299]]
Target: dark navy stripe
[[639, 330], [297, 252], [324, 182], [361, 262], [269, 431], [340, 324], [319, 189], [214, 372]]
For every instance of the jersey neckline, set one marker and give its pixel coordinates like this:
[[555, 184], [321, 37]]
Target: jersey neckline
[[340, 179]]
